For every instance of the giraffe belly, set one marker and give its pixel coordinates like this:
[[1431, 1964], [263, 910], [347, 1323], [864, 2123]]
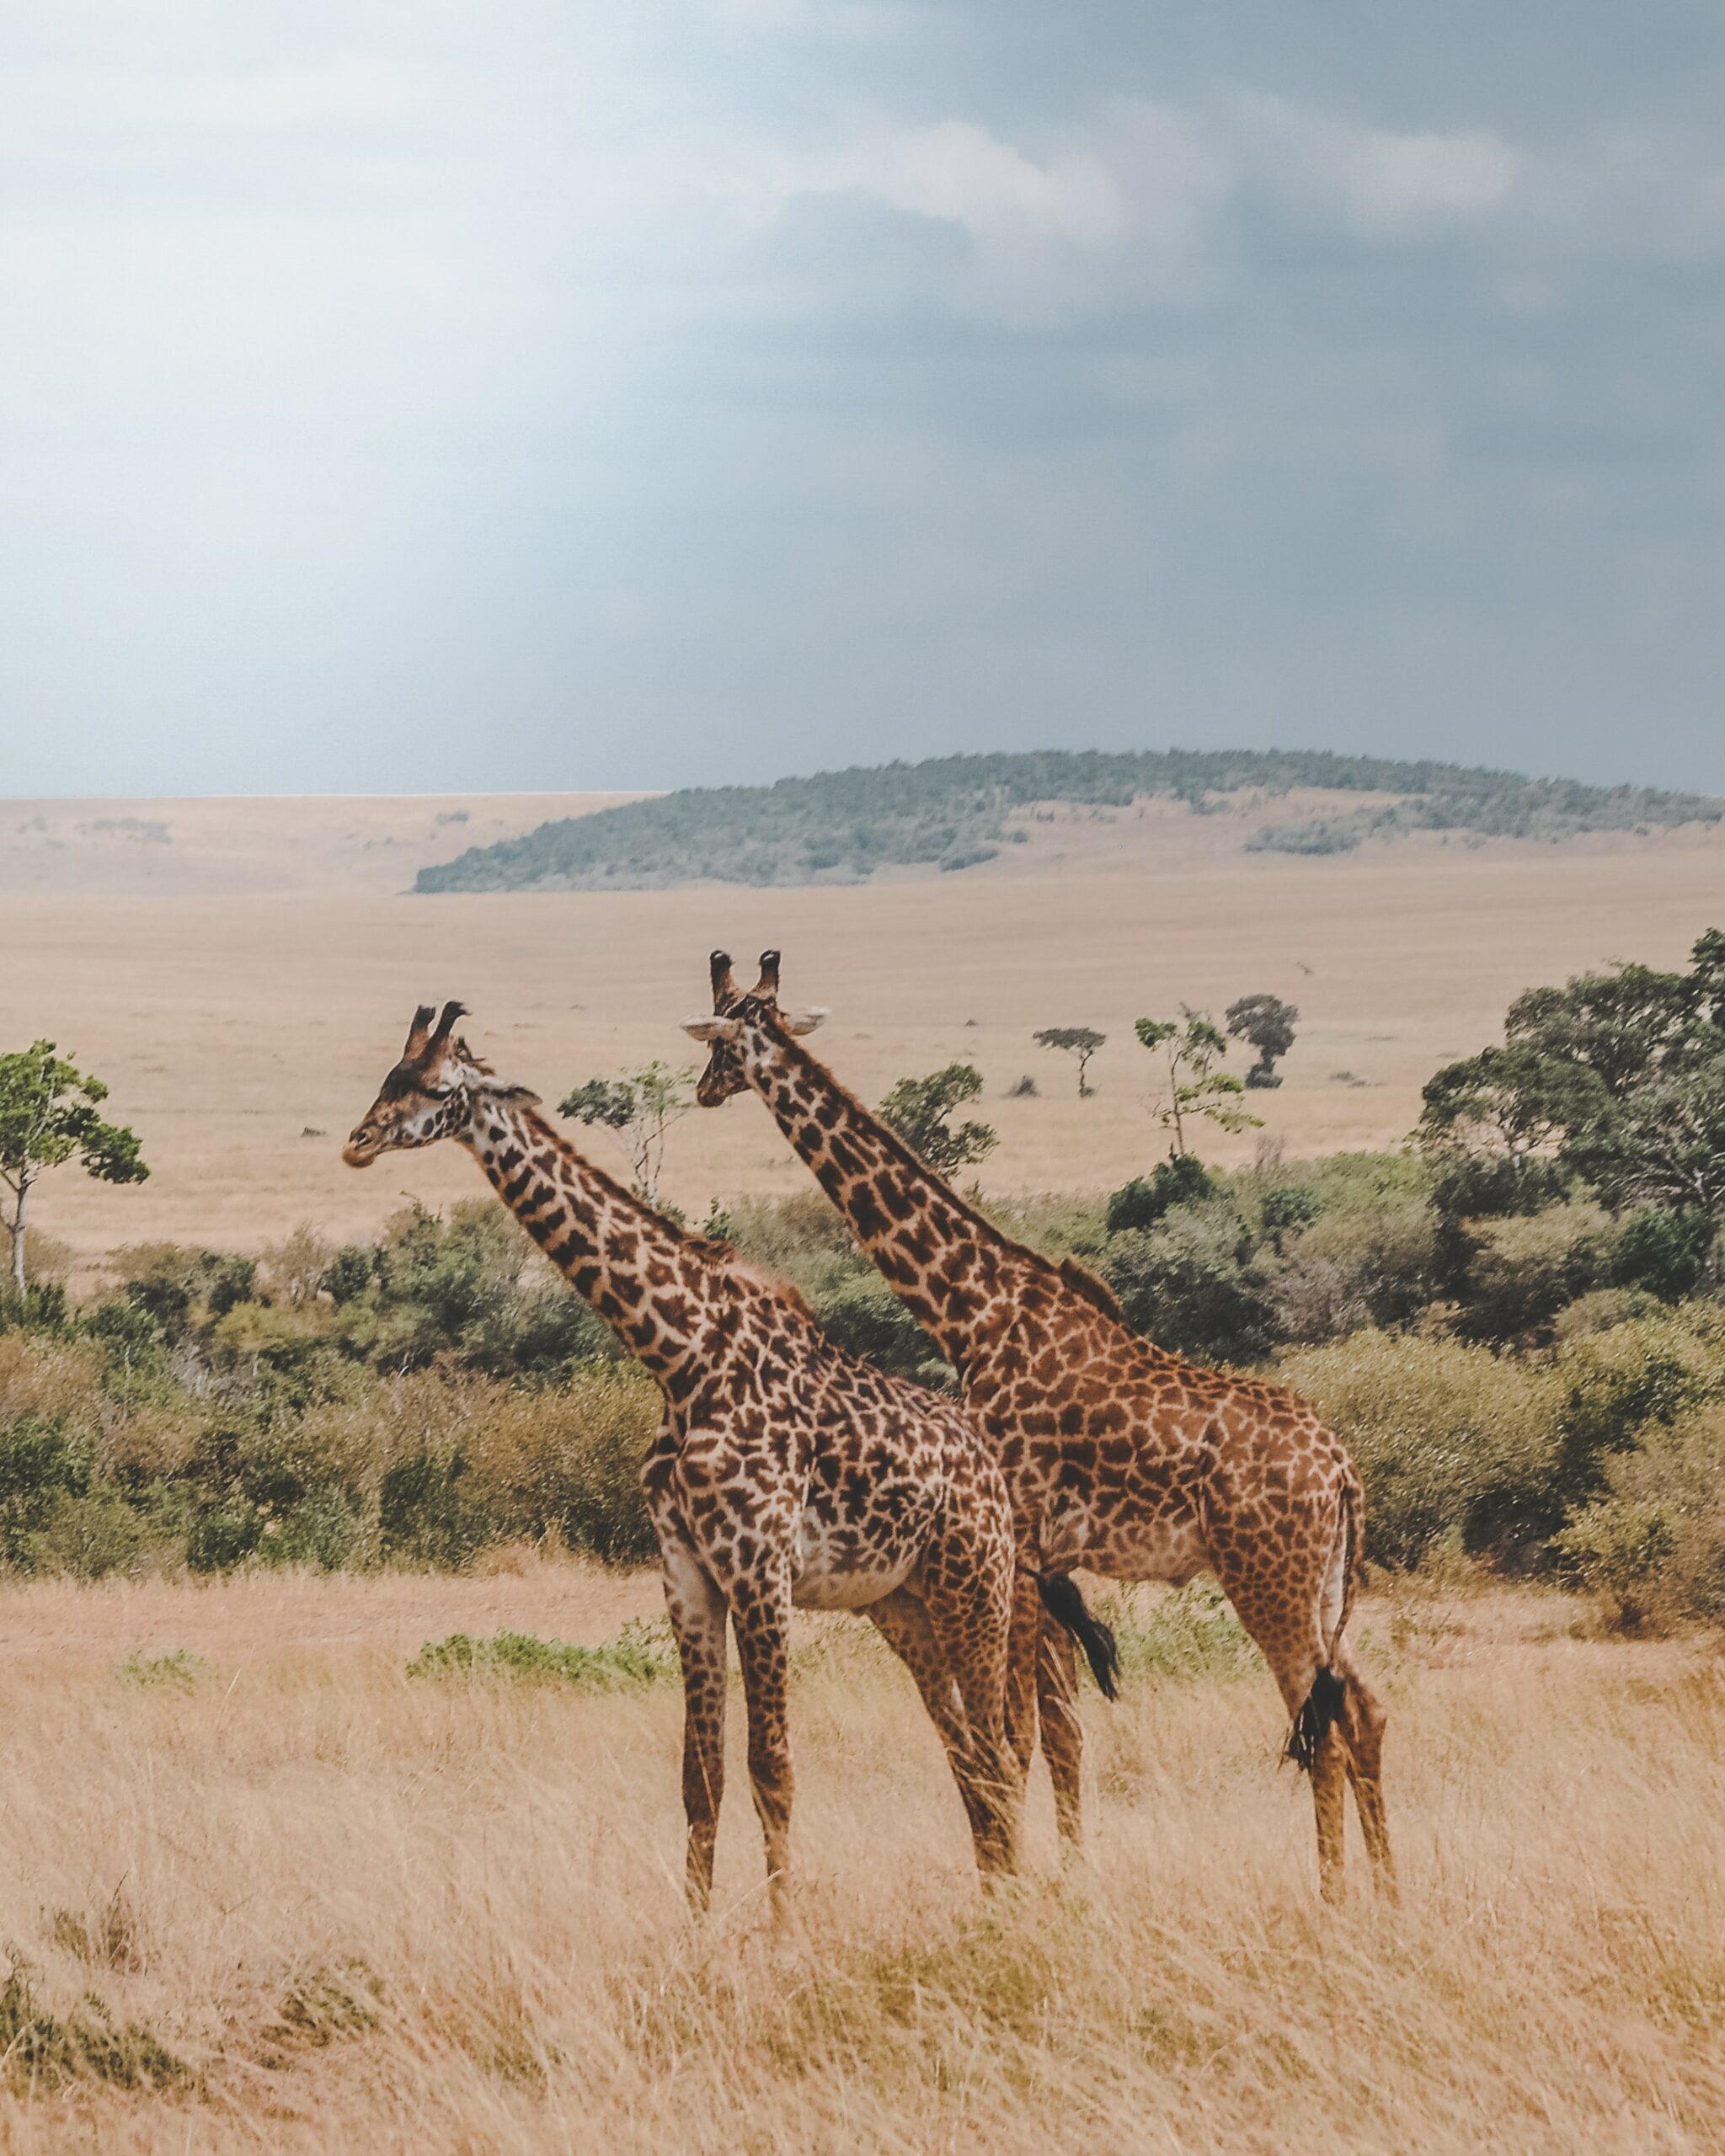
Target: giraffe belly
[[1171, 1550], [836, 1569]]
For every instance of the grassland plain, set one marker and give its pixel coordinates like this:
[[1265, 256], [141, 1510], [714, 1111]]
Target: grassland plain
[[241, 1029], [283, 1896]]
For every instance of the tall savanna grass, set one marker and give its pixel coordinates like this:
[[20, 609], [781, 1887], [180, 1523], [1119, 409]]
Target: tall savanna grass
[[292, 1898]]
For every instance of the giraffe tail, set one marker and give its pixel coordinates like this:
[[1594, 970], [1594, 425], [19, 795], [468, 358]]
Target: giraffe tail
[[1065, 1603], [1322, 1708]]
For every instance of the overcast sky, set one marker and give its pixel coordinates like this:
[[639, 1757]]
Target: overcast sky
[[435, 394]]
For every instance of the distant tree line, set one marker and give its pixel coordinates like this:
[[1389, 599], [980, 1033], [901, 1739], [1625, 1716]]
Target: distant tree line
[[953, 812]]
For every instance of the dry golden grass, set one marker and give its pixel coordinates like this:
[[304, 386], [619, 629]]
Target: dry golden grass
[[244, 1030], [364, 1912]]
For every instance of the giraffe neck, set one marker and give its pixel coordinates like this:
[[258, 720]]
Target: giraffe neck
[[943, 1260], [655, 1289]]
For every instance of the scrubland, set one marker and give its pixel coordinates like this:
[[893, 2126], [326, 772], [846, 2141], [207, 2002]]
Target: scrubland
[[272, 1893], [243, 1031]]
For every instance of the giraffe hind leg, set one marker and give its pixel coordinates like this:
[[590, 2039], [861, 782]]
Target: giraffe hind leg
[[1062, 1731], [906, 1626], [699, 1617], [1362, 1721], [761, 1618]]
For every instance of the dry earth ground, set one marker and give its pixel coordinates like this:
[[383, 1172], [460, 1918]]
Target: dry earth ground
[[356, 1910], [243, 1029]]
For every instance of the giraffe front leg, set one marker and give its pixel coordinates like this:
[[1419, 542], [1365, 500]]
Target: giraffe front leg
[[761, 1615], [697, 1616]]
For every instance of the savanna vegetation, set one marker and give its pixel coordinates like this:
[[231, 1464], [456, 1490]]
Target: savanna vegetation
[[1515, 1322], [265, 1889], [954, 813]]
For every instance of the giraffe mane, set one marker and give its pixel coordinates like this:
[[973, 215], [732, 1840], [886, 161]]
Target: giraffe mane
[[752, 1269], [1083, 1282]]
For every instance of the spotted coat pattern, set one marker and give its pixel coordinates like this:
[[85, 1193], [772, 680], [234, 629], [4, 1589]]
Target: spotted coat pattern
[[1118, 1455], [785, 1472]]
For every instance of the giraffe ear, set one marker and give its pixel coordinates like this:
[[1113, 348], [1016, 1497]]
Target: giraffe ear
[[711, 1029], [804, 1021]]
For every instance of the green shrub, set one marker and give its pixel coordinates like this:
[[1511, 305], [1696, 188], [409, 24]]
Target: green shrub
[[1653, 1544], [423, 1514], [641, 1654], [1619, 1383], [223, 1536], [1454, 1443], [865, 1318], [1520, 1271], [326, 1530], [1185, 1285], [1664, 1252], [1182, 1179], [1350, 1271], [566, 1461], [41, 1465], [1190, 1637], [180, 1671]]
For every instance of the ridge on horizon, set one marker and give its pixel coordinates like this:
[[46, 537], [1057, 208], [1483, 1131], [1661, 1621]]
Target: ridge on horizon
[[950, 813]]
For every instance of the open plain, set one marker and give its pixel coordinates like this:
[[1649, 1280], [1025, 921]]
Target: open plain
[[287, 1897], [241, 975]]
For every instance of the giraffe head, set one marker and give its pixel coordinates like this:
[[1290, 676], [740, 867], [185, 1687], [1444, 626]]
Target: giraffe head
[[733, 1012], [429, 1093]]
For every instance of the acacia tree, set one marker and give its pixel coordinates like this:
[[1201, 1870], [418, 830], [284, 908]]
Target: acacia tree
[[921, 1110], [1267, 1023], [1082, 1041], [640, 1106], [1617, 1077], [1192, 1046], [48, 1117]]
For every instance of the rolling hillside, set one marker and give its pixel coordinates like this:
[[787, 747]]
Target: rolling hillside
[[957, 813]]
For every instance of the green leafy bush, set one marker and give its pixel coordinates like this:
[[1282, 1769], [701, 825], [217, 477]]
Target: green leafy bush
[[641, 1654], [1454, 1444], [1652, 1546], [1186, 1284], [1182, 1179]]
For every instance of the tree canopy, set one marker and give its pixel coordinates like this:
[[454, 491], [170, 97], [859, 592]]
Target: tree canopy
[[1193, 1046], [48, 1116], [1267, 1023], [1082, 1041], [921, 1110], [1616, 1078]]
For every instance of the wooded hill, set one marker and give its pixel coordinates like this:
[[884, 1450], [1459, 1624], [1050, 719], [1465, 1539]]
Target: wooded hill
[[954, 813]]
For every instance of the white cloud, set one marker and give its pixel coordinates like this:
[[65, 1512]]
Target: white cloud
[[961, 174]]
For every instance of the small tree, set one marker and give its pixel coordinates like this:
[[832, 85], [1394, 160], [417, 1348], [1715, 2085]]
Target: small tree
[[1192, 1046], [1082, 1041], [921, 1110], [48, 1117], [640, 1106], [1267, 1024]]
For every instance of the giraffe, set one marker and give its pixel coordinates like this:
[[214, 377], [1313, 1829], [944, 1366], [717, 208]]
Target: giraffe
[[1118, 1455], [784, 1472]]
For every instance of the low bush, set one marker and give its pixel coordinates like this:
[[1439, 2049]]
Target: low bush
[[1652, 1545], [641, 1654], [1189, 1637], [1457, 1446], [1186, 1284]]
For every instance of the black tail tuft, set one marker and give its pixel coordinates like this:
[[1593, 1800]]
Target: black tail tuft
[[1063, 1602], [1319, 1713]]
